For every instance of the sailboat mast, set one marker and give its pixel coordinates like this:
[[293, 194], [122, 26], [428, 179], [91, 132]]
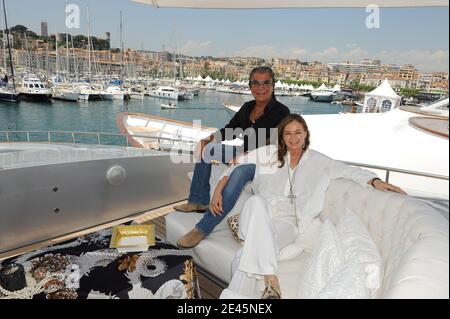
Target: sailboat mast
[[57, 53], [9, 45], [67, 50], [123, 51], [3, 44], [75, 65], [89, 44]]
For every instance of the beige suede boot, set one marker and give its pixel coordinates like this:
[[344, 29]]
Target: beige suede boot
[[191, 239]]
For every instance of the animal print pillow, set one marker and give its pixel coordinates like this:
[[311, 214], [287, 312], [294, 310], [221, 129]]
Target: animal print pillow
[[233, 223]]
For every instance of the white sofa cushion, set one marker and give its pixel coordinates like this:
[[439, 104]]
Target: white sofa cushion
[[412, 237], [348, 283], [327, 258], [360, 249]]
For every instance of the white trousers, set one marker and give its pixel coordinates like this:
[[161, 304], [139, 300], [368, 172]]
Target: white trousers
[[264, 236]]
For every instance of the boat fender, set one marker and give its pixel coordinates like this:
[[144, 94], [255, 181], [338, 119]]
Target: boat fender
[[116, 175]]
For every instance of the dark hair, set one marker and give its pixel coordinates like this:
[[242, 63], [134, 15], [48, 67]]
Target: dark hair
[[262, 69], [282, 149]]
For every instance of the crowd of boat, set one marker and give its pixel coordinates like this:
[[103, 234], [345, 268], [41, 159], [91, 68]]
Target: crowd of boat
[[36, 88], [33, 87]]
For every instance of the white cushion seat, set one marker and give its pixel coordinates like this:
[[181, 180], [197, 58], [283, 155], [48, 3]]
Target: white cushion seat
[[412, 237]]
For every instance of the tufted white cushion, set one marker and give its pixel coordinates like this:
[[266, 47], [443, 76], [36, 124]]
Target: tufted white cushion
[[360, 248], [327, 258], [412, 237]]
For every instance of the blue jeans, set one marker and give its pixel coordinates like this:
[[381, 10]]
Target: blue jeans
[[230, 194], [199, 192]]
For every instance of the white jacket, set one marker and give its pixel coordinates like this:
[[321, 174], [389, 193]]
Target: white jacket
[[312, 177]]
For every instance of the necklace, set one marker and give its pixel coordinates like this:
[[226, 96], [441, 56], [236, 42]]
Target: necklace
[[257, 115], [291, 195]]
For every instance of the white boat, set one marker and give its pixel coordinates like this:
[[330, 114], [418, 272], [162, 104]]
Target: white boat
[[397, 139], [8, 94], [392, 139], [168, 106], [439, 108], [185, 95], [87, 93], [80, 188], [154, 132], [105, 96], [323, 94], [136, 95], [115, 93], [34, 89], [165, 92], [65, 93]]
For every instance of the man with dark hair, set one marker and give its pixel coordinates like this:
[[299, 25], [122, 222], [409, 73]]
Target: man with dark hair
[[256, 117]]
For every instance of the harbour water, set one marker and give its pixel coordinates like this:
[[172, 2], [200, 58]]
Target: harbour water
[[101, 116]]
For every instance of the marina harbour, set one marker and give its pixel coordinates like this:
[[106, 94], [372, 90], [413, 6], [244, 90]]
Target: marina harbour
[[100, 116]]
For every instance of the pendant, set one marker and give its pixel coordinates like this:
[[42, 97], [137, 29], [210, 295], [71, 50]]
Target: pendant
[[292, 197]]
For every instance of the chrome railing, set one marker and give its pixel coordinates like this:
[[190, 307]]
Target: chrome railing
[[390, 170], [100, 137], [27, 137]]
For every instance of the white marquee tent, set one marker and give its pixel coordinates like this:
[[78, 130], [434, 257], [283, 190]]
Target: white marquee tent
[[382, 99]]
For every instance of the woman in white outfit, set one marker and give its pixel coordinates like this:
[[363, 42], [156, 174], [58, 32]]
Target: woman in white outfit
[[289, 185]]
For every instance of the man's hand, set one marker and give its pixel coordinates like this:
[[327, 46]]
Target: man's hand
[[215, 207]]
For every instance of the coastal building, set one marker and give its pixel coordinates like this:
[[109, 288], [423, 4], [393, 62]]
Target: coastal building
[[44, 29], [355, 68]]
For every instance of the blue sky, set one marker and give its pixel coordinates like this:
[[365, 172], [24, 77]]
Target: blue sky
[[418, 36]]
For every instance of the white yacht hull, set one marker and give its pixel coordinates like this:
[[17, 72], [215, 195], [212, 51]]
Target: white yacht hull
[[119, 96], [90, 96], [322, 97], [385, 139], [136, 96], [82, 192], [66, 96], [107, 96], [164, 95], [388, 140], [154, 132]]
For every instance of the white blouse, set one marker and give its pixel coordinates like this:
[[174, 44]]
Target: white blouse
[[310, 182]]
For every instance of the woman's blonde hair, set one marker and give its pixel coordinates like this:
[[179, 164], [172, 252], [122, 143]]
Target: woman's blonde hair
[[282, 148]]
